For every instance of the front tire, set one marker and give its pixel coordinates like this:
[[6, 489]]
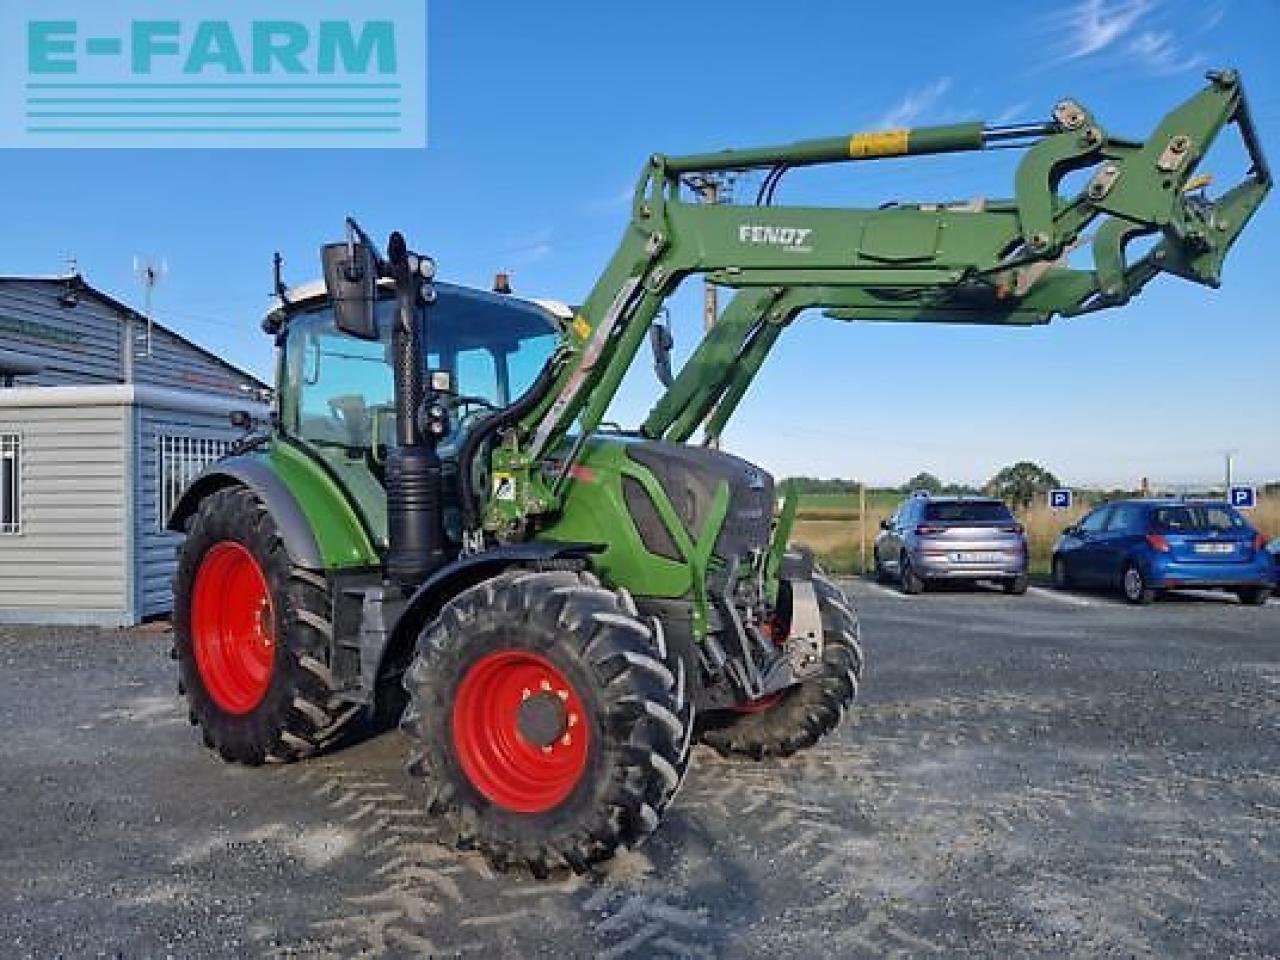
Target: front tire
[[550, 723], [801, 716], [251, 637]]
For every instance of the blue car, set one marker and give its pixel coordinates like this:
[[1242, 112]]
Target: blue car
[[1143, 547]]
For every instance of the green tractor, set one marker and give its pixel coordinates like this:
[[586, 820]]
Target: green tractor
[[438, 528]]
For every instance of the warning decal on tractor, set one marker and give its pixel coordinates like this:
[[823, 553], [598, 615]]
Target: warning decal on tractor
[[885, 143], [504, 486]]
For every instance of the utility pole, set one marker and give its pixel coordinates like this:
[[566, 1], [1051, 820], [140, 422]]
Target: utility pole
[[709, 193], [711, 189], [862, 528], [1230, 457]]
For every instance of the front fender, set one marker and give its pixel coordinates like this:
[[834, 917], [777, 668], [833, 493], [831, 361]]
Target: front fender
[[317, 522], [455, 577]]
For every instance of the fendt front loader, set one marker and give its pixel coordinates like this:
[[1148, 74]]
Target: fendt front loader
[[436, 525]]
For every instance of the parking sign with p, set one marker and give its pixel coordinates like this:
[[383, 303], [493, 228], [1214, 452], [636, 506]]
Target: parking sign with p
[[1243, 497], [1059, 499]]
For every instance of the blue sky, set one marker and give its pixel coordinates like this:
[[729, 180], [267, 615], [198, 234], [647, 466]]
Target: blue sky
[[541, 115]]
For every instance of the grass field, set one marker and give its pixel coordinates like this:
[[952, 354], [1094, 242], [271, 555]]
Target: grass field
[[828, 524]]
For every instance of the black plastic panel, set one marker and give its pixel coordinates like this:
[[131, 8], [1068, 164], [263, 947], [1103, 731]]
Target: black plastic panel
[[644, 514]]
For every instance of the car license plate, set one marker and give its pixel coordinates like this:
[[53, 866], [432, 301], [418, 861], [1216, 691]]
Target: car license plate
[[970, 556], [1215, 548]]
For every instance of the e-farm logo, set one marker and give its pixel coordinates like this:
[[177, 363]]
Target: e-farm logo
[[219, 73]]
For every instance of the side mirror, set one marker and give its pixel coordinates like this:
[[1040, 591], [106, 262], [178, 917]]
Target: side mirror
[[661, 341], [1072, 531], [885, 524], [351, 280]]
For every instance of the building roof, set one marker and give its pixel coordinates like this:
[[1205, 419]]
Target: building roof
[[77, 283], [128, 394]]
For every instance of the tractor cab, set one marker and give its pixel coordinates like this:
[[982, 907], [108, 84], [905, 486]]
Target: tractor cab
[[337, 391]]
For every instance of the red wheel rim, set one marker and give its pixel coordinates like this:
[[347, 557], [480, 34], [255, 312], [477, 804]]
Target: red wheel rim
[[767, 702], [520, 731], [777, 632], [233, 627]]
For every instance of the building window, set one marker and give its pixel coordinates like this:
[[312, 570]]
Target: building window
[[181, 460], [10, 483]]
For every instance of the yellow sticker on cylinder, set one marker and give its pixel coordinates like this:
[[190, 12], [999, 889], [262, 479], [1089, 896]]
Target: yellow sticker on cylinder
[[882, 143], [581, 327]]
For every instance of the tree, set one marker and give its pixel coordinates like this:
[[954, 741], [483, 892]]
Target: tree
[[1021, 483], [923, 481]]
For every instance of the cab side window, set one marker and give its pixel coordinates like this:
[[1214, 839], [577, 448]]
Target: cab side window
[[344, 381]]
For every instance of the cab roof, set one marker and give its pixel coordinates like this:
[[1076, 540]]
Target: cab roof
[[314, 293]]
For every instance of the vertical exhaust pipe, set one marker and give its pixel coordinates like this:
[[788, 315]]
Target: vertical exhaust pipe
[[415, 524]]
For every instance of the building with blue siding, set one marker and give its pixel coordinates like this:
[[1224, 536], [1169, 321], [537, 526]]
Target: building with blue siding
[[104, 419]]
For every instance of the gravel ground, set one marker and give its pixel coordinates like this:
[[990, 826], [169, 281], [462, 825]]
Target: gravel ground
[[1049, 775]]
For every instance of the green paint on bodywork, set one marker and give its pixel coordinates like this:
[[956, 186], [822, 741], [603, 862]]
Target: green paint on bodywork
[[781, 535], [341, 536], [595, 511]]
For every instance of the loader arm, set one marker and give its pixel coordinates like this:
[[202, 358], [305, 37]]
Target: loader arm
[[998, 262]]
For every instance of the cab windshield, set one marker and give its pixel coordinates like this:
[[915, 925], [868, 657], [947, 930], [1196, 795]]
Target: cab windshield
[[494, 347]]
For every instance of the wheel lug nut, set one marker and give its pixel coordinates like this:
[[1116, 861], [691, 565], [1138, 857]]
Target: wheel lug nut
[[526, 693], [547, 748], [566, 740], [546, 685], [562, 694], [573, 719]]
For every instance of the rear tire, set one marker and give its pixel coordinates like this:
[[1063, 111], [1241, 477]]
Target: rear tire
[[1134, 586], [1016, 586], [251, 637], [505, 679], [807, 712], [911, 582], [1254, 596]]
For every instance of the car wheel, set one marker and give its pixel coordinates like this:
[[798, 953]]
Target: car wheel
[[881, 574], [1134, 586], [912, 583], [1061, 576], [1253, 596], [1016, 585]]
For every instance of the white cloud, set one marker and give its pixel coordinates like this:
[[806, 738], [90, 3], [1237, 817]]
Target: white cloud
[[1095, 25], [1215, 14], [915, 104], [620, 200], [1160, 54], [1016, 111], [521, 251], [1134, 31]]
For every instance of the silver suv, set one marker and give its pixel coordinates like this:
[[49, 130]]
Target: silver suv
[[951, 538]]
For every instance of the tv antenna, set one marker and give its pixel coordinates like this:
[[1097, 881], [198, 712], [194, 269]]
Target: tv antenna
[[149, 273]]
